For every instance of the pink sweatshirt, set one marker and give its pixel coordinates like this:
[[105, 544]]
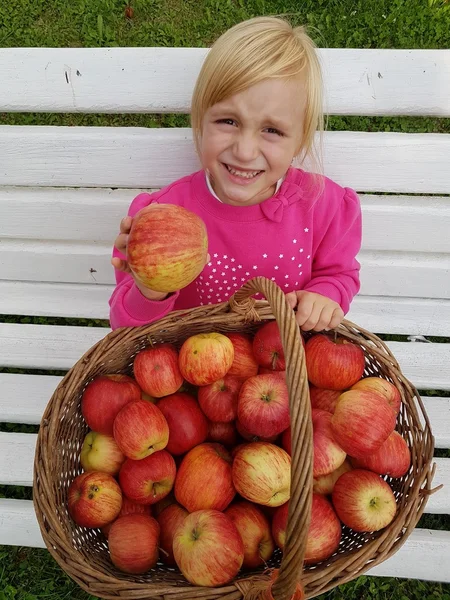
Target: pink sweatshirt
[[300, 238]]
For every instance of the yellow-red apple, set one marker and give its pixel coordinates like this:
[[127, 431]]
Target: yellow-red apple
[[268, 348], [254, 529], [188, 426], [361, 422], [133, 543], [262, 473], [129, 507], [100, 452], [244, 363], [156, 370], [94, 499], [392, 458], [323, 399], [167, 247], [363, 500], [219, 400], [206, 357], [169, 520], [325, 483], [328, 455], [382, 386], [104, 397], [140, 429], [150, 479], [263, 407], [204, 478], [333, 364], [208, 548]]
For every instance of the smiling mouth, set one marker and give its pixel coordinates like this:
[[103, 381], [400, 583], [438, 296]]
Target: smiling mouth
[[243, 174]]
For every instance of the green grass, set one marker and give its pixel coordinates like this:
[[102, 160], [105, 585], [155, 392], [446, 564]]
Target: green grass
[[28, 574]]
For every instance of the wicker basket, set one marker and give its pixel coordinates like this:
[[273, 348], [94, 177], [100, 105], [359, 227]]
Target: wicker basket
[[83, 553]]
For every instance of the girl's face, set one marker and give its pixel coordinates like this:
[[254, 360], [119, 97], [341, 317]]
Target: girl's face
[[249, 140]]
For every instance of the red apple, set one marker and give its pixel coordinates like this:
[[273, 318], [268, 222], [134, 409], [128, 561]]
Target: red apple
[[323, 399], [94, 499], [104, 397], [268, 348], [364, 501], [264, 371], [133, 543], [167, 247], [206, 357], [204, 478], [361, 422], [251, 437], [140, 429], [219, 400], [324, 533], [286, 441], [208, 548], [223, 433], [325, 483], [156, 370], [188, 426], [254, 529], [148, 480], [392, 458], [244, 363], [163, 503], [263, 407], [383, 387], [100, 452], [333, 364], [129, 507], [328, 455], [262, 473], [169, 520]]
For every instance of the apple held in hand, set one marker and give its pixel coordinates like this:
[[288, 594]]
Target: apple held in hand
[[133, 543], [333, 364], [361, 422], [244, 363], [140, 429], [169, 520], [104, 397], [364, 501], [188, 426], [208, 548], [383, 387], [263, 407], [100, 452], [328, 455], [219, 400], [205, 358], [204, 478], [392, 458], [262, 473], [156, 370], [167, 247], [268, 348], [254, 529], [94, 499], [148, 480]]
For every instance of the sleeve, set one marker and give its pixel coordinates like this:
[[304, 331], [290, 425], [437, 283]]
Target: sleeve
[[335, 270], [128, 306]]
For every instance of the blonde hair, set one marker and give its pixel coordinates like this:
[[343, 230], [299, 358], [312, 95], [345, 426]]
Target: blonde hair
[[254, 50]]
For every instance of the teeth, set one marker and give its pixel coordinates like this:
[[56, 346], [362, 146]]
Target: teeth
[[244, 174]]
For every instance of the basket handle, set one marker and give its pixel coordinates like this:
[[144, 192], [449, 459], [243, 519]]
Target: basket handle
[[299, 514]]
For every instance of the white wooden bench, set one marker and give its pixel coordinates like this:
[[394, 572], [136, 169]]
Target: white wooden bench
[[63, 191]]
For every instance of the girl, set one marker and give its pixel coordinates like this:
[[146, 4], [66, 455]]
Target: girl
[[256, 106]]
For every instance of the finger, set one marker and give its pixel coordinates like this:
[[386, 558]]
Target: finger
[[305, 306], [336, 319], [125, 224], [324, 319], [291, 298], [120, 265], [121, 243], [314, 316], [208, 258]]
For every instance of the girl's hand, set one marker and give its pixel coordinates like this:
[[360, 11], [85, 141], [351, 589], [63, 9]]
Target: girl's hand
[[122, 265], [314, 312]]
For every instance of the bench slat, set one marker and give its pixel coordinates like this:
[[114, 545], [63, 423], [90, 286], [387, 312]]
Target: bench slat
[[425, 554], [151, 158], [398, 274], [127, 80], [58, 347], [23, 399], [390, 223], [380, 314]]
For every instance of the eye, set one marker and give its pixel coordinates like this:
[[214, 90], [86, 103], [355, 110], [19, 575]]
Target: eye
[[274, 131], [226, 121]]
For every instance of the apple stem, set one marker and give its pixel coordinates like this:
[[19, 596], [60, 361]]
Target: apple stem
[[163, 551]]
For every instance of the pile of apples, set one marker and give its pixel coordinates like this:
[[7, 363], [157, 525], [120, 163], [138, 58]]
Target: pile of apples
[[189, 461]]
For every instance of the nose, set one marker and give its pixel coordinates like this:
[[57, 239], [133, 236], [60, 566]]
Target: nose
[[246, 147]]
